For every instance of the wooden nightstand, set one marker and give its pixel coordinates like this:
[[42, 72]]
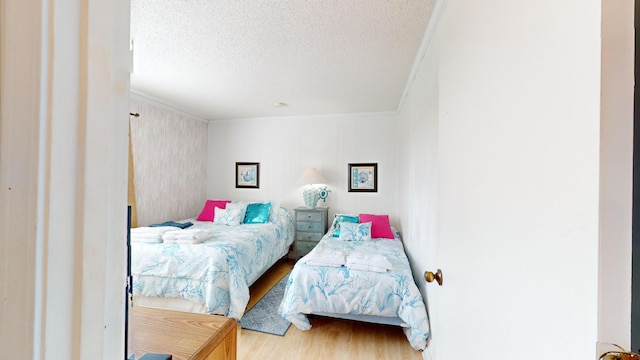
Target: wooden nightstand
[[311, 225]]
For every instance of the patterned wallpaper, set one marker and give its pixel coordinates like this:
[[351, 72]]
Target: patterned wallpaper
[[170, 163]]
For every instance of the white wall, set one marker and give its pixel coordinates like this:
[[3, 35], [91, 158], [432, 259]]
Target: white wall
[[510, 92], [284, 147], [169, 160], [418, 170]]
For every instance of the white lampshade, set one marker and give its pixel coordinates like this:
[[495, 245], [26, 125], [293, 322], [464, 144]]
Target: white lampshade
[[312, 176]]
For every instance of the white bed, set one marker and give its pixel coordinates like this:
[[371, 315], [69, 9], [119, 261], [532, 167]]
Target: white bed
[[389, 297], [212, 276]]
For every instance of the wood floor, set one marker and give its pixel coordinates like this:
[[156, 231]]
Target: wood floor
[[328, 338]]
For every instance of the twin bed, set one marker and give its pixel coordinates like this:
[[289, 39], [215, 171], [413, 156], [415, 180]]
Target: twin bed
[[212, 275], [357, 277], [208, 267]]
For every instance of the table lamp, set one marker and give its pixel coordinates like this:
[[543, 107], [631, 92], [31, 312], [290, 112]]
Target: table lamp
[[312, 192]]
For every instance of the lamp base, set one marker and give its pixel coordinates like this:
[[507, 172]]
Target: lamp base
[[311, 197]]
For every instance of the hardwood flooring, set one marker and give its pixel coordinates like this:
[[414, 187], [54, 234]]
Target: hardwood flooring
[[328, 338]]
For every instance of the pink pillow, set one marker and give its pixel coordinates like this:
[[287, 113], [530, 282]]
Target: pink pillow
[[380, 227], [208, 212]]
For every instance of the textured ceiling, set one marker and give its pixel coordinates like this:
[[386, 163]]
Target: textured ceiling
[[224, 59]]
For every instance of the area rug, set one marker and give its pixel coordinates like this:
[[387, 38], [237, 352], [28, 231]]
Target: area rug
[[264, 316]]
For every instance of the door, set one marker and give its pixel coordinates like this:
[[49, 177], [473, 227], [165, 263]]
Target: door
[[520, 173]]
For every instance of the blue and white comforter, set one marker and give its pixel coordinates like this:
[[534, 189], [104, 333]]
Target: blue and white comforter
[[217, 272], [325, 289]]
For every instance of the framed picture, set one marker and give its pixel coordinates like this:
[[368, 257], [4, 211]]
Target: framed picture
[[363, 177], [248, 175]]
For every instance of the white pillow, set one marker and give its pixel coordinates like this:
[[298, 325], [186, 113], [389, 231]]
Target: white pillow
[[239, 205], [274, 213], [354, 232], [231, 217]]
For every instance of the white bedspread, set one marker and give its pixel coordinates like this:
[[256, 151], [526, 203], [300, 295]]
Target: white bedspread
[[216, 272], [326, 289]]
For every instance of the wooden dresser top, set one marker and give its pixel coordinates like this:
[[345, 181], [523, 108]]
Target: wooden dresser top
[[184, 335]]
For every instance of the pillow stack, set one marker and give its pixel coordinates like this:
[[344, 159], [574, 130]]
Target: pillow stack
[[341, 218], [356, 227], [226, 212]]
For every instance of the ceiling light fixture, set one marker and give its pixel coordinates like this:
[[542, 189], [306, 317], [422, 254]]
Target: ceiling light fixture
[[281, 104]]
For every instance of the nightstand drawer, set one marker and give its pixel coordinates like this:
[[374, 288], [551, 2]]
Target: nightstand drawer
[[309, 226], [308, 216], [303, 247], [309, 236]]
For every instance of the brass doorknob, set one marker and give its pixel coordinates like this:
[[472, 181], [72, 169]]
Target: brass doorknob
[[430, 276], [615, 355]]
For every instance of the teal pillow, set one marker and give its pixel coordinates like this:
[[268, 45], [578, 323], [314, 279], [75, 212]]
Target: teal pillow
[[343, 218], [257, 213]]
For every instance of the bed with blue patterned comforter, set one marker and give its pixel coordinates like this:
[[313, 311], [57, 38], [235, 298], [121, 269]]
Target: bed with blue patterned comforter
[[216, 273], [358, 294]]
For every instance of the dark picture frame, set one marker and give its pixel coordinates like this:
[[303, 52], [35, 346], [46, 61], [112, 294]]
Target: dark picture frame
[[247, 175], [363, 177]]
